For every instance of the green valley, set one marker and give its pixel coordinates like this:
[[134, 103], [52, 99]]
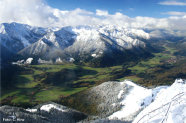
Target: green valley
[[30, 85]]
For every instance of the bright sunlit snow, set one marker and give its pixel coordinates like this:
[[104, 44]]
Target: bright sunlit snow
[[169, 106], [134, 101], [48, 107]]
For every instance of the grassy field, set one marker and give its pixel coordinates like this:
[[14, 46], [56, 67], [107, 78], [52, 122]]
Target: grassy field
[[143, 66], [44, 83], [158, 69]]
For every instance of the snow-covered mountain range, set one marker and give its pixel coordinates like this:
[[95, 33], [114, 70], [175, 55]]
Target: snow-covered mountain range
[[69, 42]]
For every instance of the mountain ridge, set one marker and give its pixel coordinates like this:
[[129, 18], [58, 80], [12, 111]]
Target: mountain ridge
[[68, 41]]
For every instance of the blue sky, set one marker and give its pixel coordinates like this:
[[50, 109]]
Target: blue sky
[[131, 8]]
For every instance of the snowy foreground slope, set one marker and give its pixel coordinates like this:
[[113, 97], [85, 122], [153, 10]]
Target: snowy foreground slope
[[134, 101], [118, 102], [141, 105], [169, 106], [161, 104]]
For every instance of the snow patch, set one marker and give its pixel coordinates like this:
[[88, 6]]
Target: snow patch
[[120, 94], [132, 102], [48, 107], [59, 61], [23, 62], [71, 60], [19, 62], [31, 110], [94, 55], [29, 61], [2, 29], [40, 61]]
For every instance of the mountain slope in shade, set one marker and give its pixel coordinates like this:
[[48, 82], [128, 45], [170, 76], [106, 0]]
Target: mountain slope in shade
[[37, 48], [15, 36]]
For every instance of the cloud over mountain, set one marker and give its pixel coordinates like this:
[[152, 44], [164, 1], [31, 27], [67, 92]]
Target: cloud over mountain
[[38, 13]]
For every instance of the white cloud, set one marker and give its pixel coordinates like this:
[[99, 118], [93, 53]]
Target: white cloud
[[175, 13], [101, 12], [38, 13], [33, 12], [173, 3]]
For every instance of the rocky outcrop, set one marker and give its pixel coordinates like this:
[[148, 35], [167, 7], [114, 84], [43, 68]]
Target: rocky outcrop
[[44, 113]]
